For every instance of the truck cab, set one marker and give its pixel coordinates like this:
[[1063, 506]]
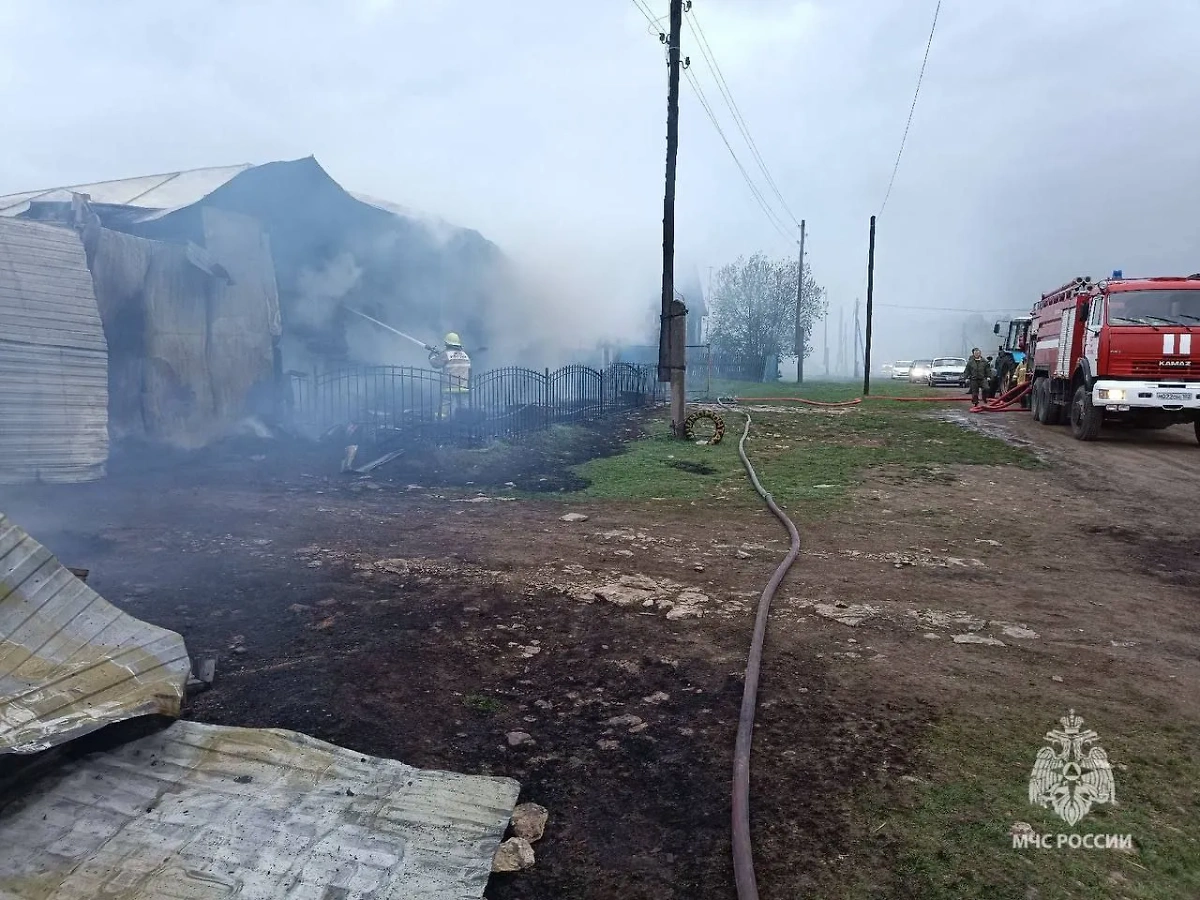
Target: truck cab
[[1121, 351]]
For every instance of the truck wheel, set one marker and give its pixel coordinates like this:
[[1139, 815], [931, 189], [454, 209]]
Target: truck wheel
[[1197, 424], [1086, 419], [1038, 401]]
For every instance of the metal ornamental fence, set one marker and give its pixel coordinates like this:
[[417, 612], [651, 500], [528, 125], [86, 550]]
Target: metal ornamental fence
[[414, 403]]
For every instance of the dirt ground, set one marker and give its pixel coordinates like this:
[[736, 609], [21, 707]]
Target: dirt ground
[[427, 623]]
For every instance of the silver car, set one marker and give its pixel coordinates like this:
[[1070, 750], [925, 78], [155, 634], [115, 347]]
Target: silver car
[[920, 370], [901, 369], [948, 370]]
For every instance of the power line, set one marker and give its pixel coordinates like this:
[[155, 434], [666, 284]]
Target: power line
[[771, 215], [776, 221], [710, 59], [653, 22], [911, 109]]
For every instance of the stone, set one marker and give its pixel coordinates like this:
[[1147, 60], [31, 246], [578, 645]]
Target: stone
[[656, 697], [1020, 632], [608, 744], [529, 821], [513, 855], [573, 517], [628, 720], [1020, 829], [847, 614], [978, 639], [519, 738], [625, 594], [1058, 679], [742, 554]]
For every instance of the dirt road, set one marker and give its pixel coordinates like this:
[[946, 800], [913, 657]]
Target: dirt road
[[1154, 470]]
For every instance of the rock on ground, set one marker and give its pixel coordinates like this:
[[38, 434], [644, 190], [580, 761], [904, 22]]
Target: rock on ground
[[529, 821], [513, 855], [977, 639], [519, 738], [573, 517]]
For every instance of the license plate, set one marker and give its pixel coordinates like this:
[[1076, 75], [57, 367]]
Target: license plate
[[1173, 395]]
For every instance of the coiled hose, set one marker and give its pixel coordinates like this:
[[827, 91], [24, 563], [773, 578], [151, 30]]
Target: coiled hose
[[743, 855]]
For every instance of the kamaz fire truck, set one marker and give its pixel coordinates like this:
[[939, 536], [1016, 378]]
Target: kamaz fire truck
[[1119, 351]]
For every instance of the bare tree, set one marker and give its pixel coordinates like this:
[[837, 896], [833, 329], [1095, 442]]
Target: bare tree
[[754, 309]]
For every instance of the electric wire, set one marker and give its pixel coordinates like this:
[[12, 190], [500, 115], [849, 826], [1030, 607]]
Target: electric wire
[[777, 221], [911, 109], [771, 215], [710, 59]]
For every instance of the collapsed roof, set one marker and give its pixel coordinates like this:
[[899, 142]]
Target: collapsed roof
[[330, 248]]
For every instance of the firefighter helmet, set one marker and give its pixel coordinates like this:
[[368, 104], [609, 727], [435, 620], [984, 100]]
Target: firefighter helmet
[[452, 340]]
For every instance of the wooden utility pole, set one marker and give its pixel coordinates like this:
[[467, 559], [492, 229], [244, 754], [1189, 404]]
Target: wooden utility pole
[[801, 337], [870, 309], [672, 352]]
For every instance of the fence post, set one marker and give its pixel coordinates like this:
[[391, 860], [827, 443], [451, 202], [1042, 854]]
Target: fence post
[[546, 394], [602, 393]]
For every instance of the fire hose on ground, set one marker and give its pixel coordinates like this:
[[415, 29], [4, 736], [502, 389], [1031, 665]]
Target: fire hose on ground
[[743, 854], [1004, 403], [743, 857]]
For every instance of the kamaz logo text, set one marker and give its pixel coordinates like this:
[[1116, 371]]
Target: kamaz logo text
[[1175, 363]]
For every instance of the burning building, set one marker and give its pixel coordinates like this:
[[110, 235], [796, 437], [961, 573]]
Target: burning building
[[211, 283]]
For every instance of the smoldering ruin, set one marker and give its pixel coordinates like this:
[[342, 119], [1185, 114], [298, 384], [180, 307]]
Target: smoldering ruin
[[173, 309]]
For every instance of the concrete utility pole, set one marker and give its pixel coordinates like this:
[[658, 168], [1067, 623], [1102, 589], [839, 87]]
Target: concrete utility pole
[[856, 334], [841, 342], [826, 317], [672, 352], [801, 337], [870, 308]]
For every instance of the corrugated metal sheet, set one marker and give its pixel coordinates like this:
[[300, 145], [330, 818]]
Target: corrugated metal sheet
[[53, 358], [200, 812], [166, 191], [70, 662]]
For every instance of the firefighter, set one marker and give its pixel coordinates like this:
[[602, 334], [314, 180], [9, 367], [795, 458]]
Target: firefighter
[[977, 374], [455, 366]]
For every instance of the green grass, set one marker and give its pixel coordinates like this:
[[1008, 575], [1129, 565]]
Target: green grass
[[827, 391], [481, 703], [812, 457], [949, 839]]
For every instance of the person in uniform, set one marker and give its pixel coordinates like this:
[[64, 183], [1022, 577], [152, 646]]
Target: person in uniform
[[455, 365], [977, 373]]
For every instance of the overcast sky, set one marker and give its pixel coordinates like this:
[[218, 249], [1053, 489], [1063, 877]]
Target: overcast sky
[[1052, 137]]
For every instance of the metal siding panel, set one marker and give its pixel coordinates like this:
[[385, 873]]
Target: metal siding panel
[[257, 814], [53, 358], [165, 191], [70, 662]]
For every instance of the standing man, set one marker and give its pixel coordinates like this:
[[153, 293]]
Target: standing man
[[455, 366], [976, 374]]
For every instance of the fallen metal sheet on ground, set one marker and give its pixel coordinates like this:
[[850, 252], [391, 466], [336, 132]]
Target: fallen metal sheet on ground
[[200, 812], [70, 662]]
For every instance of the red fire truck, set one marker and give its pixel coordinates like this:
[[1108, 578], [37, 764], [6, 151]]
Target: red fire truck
[[1119, 351]]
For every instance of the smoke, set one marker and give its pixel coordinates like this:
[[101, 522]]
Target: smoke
[[320, 292], [566, 301]]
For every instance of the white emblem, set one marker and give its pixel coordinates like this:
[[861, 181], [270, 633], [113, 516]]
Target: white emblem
[[1073, 773]]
